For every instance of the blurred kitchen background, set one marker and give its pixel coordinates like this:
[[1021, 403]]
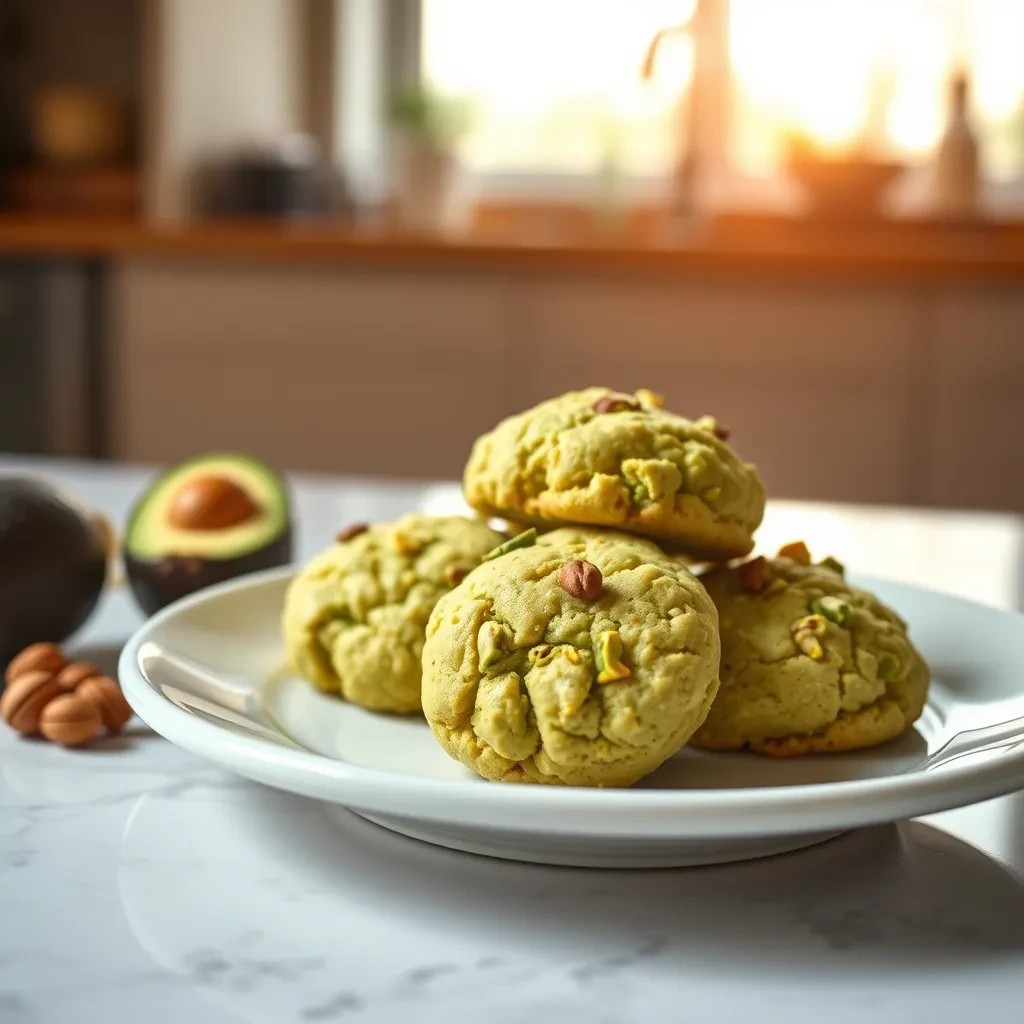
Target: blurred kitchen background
[[349, 235]]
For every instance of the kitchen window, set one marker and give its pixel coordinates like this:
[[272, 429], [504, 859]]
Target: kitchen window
[[556, 87], [558, 92]]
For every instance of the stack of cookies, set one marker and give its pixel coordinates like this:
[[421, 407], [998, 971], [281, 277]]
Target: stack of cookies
[[582, 650]]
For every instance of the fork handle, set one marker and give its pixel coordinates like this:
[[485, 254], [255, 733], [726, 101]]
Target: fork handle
[[1002, 735], [200, 680]]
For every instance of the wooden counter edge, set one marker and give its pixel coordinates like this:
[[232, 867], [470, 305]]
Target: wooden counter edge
[[972, 256]]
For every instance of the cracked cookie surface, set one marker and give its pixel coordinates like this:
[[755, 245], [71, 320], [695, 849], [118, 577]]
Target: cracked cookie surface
[[355, 616], [603, 459], [809, 663], [512, 660]]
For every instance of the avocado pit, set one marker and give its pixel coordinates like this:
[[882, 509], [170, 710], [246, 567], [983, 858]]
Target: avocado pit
[[210, 502]]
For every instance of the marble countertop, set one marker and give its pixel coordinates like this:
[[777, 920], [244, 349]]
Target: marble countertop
[[139, 883]]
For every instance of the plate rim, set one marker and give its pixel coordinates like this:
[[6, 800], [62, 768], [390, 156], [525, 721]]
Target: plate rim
[[734, 812]]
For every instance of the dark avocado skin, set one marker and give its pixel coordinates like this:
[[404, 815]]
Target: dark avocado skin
[[53, 564], [157, 583]]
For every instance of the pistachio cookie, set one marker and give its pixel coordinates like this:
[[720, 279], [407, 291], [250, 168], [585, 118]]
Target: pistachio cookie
[[809, 664], [582, 657], [601, 458], [355, 616]]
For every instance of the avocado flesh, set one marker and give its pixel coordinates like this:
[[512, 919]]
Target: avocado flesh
[[164, 562], [150, 534]]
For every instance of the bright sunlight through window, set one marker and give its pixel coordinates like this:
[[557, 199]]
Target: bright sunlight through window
[[860, 72], [557, 88], [556, 83]]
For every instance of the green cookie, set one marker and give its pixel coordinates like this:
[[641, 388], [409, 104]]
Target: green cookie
[[586, 658], [600, 458], [809, 663], [354, 618]]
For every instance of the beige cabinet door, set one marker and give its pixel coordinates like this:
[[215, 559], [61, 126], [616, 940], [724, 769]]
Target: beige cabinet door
[[324, 369], [820, 384], [976, 457]]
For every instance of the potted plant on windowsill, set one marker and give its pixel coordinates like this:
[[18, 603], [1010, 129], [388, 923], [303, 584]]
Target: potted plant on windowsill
[[426, 128]]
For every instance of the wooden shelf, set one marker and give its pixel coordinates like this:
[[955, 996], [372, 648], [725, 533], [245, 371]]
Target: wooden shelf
[[782, 248]]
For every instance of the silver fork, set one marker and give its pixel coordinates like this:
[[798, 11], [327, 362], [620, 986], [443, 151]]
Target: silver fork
[[197, 688], [1004, 736]]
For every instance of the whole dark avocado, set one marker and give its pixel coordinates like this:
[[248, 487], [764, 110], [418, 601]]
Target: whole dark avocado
[[204, 521], [53, 564]]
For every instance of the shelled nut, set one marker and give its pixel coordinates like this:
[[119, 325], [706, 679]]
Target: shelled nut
[[73, 675], [70, 720], [106, 696], [25, 698], [42, 657]]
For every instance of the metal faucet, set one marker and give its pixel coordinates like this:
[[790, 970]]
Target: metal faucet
[[702, 108]]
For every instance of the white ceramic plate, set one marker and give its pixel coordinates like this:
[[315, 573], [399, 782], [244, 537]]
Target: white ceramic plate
[[208, 674]]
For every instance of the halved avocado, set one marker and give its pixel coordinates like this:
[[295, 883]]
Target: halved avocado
[[203, 521]]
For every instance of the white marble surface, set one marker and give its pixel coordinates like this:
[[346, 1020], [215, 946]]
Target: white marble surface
[[138, 883]]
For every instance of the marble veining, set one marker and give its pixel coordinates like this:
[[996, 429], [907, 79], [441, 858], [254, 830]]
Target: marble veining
[[14, 1010], [241, 973], [334, 1007], [609, 966]]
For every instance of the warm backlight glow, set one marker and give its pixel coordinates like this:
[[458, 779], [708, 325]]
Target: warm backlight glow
[[556, 82], [870, 74], [803, 64]]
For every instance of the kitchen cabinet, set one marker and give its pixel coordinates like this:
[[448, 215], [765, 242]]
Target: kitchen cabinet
[[313, 369], [51, 357], [859, 391], [976, 456], [818, 385]]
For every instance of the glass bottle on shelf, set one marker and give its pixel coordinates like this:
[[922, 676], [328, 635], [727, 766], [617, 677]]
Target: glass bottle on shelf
[[956, 183]]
